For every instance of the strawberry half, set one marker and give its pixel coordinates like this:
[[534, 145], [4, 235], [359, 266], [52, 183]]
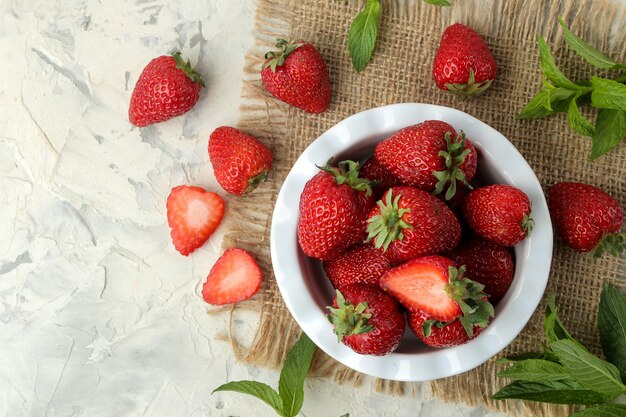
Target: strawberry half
[[193, 214], [434, 285], [235, 277]]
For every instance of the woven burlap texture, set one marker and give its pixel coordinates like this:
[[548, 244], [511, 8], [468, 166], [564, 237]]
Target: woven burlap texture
[[400, 71]]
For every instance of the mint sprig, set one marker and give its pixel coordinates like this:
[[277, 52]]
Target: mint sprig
[[560, 94], [363, 34], [566, 372], [438, 2], [288, 401]]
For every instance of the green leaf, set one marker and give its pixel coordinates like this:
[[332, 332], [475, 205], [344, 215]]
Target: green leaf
[[605, 410], [590, 371], [612, 326], [588, 52], [608, 94], [521, 357], [257, 389], [550, 70], [363, 34], [438, 2], [610, 130], [552, 324], [557, 392], [535, 370], [577, 121], [295, 370], [547, 102]]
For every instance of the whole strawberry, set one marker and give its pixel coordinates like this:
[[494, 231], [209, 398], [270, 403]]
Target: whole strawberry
[[587, 218], [367, 320], [166, 88], [439, 295], [408, 222], [240, 161], [440, 335], [429, 155], [333, 209], [359, 264], [499, 213], [463, 63], [193, 215], [486, 263], [297, 75], [375, 171]]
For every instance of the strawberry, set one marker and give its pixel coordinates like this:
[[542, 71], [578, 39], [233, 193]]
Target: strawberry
[[166, 88], [193, 215], [297, 75], [333, 209], [429, 155], [240, 161], [359, 264], [499, 213], [408, 222], [486, 263], [373, 170], [434, 286], [463, 63], [366, 319], [587, 218], [235, 277], [440, 335]]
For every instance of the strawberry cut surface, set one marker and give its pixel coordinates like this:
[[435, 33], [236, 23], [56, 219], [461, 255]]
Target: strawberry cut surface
[[235, 277]]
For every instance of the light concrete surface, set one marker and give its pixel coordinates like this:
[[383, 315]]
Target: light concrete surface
[[99, 315]]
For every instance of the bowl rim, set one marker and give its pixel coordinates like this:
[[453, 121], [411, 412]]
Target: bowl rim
[[435, 363]]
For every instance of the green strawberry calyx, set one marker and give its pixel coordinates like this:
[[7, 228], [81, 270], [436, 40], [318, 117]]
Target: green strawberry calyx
[[476, 309], [348, 319], [614, 243], [388, 226], [188, 69], [347, 172], [471, 87], [256, 180], [454, 155], [527, 224], [277, 58]]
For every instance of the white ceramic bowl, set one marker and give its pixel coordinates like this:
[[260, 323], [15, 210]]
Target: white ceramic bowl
[[306, 289]]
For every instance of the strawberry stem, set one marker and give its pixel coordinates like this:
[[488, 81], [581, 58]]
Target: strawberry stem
[[277, 58], [527, 224], [256, 180], [188, 69], [454, 156], [347, 172], [348, 319], [471, 87], [614, 243], [388, 226]]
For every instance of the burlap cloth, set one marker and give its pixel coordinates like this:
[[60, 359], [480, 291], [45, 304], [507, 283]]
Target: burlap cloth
[[400, 72]]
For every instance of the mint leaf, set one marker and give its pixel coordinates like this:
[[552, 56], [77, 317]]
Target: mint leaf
[[608, 94], [612, 326], [557, 392], [363, 34], [257, 389], [552, 324], [577, 121], [521, 357], [295, 370], [546, 102], [590, 371], [550, 70], [438, 2], [610, 130], [535, 370], [588, 52], [605, 410]]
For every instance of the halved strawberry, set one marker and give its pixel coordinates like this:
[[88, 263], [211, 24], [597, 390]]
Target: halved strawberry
[[235, 277], [434, 285], [193, 213]]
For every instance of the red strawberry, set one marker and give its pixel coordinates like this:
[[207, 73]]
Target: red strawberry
[[367, 320], [333, 208], [297, 75], [373, 170], [440, 335], [240, 161], [359, 264], [463, 63], [166, 88], [235, 277], [433, 285], [429, 155], [587, 218], [499, 213], [408, 222], [488, 264], [193, 214]]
